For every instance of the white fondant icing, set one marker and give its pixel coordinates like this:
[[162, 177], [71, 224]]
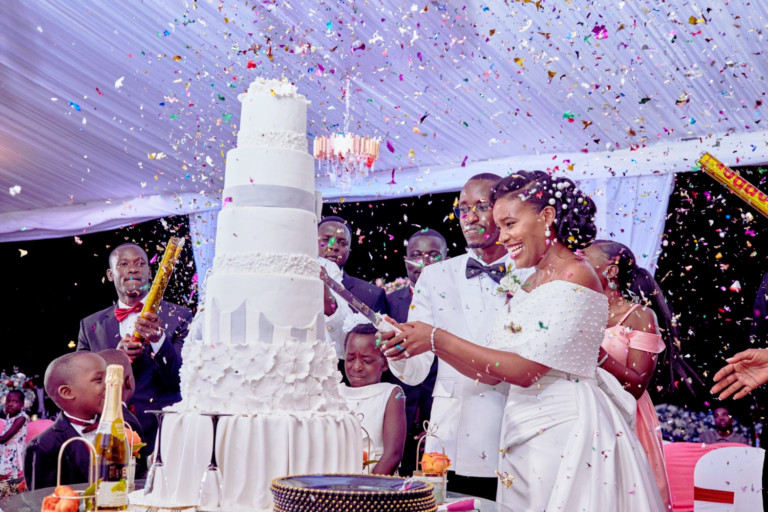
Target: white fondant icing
[[254, 450], [249, 229], [258, 376], [263, 111], [286, 300], [257, 348], [273, 139], [299, 265], [270, 166]]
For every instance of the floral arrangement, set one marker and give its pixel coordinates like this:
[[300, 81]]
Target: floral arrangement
[[679, 424], [17, 380], [509, 284], [435, 464], [136, 444], [400, 282]]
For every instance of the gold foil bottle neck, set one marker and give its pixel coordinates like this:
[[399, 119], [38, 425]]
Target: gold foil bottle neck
[[114, 375]]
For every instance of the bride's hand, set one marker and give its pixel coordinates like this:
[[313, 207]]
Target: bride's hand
[[414, 340]]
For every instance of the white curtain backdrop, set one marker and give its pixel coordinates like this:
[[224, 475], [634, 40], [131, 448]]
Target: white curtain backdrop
[[632, 211], [202, 229]]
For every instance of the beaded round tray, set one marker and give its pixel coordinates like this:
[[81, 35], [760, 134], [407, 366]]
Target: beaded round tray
[[321, 493]]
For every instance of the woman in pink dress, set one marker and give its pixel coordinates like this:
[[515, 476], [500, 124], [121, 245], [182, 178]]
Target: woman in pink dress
[[633, 341]]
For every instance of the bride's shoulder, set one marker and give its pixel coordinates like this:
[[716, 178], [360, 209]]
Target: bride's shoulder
[[580, 272]]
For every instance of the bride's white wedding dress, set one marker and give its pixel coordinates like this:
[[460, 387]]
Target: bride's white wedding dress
[[568, 439]]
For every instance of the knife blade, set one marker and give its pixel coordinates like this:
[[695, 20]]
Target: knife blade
[[375, 318]]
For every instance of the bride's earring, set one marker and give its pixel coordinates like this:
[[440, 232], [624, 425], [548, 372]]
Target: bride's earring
[[547, 233], [611, 284]]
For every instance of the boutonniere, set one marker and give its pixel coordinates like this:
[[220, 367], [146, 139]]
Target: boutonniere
[[509, 284]]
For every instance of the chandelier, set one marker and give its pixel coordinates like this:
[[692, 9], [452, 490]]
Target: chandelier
[[346, 158]]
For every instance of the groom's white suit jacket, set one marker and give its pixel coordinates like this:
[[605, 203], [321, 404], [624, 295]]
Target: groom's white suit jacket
[[468, 414]]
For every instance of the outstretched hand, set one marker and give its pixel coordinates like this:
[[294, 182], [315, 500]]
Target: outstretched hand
[[745, 372], [414, 340]]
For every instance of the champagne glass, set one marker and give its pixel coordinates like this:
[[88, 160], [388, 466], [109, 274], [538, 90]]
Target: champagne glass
[[156, 486], [212, 485]]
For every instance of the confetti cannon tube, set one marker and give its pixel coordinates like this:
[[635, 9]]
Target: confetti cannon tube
[[170, 257], [735, 183]]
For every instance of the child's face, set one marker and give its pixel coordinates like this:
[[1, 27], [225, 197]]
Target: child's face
[[87, 384], [364, 362], [13, 403]]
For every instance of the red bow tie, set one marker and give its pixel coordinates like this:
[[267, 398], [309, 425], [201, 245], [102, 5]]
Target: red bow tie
[[122, 313], [89, 427]]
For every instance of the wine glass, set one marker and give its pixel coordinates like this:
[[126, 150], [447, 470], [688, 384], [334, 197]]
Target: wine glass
[[156, 486], [212, 484]]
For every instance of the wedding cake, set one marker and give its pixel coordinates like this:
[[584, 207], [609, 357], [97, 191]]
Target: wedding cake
[[258, 350]]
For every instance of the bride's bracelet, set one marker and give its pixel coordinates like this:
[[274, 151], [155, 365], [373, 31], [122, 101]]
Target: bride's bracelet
[[432, 339], [604, 359]]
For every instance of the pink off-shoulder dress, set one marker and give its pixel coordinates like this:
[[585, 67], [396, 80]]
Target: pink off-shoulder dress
[[617, 342]]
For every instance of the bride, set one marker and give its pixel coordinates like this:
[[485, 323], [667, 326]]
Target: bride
[[567, 437]]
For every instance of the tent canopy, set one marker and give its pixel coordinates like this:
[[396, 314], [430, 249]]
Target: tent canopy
[[120, 112]]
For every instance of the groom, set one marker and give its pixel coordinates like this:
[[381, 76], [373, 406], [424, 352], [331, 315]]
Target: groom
[[460, 296]]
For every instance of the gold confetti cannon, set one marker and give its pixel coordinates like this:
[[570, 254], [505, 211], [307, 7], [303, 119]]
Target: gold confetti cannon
[[170, 257], [735, 183]]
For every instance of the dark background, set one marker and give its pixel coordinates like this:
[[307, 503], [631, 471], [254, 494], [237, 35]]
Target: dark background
[[60, 281]]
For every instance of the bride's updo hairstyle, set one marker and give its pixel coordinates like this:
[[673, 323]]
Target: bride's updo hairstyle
[[574, 223]]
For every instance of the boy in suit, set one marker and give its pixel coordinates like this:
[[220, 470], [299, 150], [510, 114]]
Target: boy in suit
[[75, 382], [425, 247], [155, 364]]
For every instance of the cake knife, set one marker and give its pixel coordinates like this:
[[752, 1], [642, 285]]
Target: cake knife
[[375, 318]]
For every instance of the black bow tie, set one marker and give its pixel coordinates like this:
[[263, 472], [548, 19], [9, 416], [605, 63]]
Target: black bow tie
[[475, 268]]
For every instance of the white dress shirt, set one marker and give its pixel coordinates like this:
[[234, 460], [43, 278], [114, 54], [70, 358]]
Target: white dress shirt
[[488, 285], [90, 436], [127, 327]]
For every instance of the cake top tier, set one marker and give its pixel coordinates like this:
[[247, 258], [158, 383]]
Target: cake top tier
[[277, 88]]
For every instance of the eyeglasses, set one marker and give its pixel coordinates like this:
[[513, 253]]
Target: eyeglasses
[[479, 208], [427, 258]]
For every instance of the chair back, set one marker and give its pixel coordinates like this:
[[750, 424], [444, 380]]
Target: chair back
[[722, 475], [35, 428]]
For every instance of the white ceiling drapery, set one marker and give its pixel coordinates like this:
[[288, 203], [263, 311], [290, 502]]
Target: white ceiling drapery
[[119, 112]]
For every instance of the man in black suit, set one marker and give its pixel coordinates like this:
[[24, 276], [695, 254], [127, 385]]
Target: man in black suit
[[156, 363], [425, 247], [335, 244], [75, 382]]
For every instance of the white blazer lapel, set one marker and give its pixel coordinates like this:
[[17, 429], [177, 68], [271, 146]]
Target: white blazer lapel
[[471, 298]]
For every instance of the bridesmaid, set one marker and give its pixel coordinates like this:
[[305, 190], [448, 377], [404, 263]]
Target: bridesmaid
[[633, 341]]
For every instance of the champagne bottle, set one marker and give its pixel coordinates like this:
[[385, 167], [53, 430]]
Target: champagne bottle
[[112, 446]]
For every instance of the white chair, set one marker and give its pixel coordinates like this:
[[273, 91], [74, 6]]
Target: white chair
[[729, 480], [749, 494]]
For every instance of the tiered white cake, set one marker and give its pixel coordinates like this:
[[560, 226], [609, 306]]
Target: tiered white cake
[[261, 353]]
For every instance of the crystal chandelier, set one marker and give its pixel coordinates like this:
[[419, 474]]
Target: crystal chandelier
[[346, 158]]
